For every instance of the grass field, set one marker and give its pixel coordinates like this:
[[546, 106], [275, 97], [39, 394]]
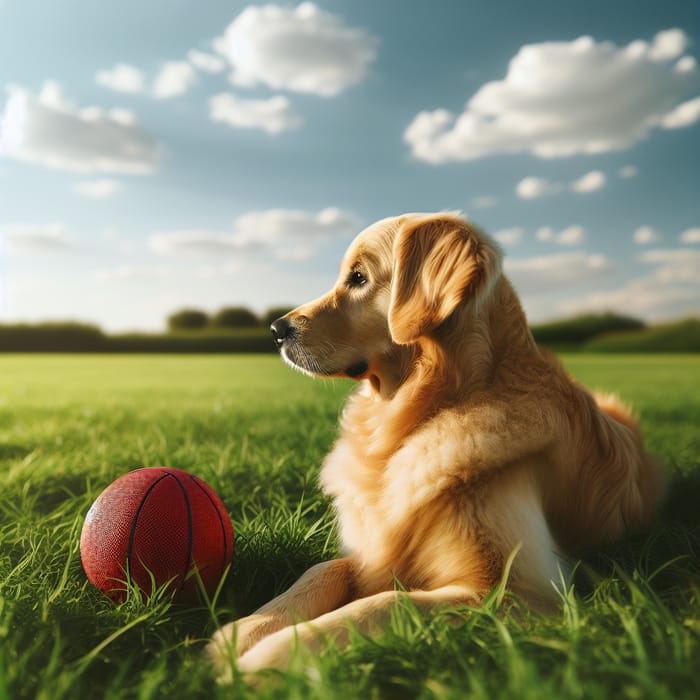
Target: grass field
[[256, 432]]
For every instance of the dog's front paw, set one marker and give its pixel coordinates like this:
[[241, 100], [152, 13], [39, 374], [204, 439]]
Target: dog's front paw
[[235, 639], [221, 655], [273, 652]]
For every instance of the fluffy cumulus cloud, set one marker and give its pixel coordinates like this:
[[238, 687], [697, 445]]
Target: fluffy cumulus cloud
[[590, 182], [37, 236], [291, 233], [206, 62], [122, 78], [671, 288], [533, 187], [645, 235], [556, 100], [684, 115], [277, 225], [174, 79], [197, 241], [570, 236], [691, 235], [674, 264], [559, 272], [48, 130], [273, 115], [303, 49]]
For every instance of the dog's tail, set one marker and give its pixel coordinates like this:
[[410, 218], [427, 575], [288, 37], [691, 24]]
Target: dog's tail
[[646, 488], [617, 409]]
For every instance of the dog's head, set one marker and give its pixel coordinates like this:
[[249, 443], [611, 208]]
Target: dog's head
[[399, 281]]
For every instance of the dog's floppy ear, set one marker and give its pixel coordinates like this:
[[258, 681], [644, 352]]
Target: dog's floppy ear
[[440, 261]]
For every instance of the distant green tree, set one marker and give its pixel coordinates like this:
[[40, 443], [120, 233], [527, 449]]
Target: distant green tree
[[53, 336], [188, 320], [274, 313], [681, 336], [581, 329], [235, 317]]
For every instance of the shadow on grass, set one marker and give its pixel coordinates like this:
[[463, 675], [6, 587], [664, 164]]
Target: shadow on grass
[[669, 553], [14, 451]]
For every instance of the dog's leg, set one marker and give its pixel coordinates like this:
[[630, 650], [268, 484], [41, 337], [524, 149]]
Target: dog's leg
[[323, 587], [364, 614]]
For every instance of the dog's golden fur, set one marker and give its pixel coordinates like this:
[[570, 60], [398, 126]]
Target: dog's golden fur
[[463, 442]]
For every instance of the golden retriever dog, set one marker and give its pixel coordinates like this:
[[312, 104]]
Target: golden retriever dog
[[463, 443]]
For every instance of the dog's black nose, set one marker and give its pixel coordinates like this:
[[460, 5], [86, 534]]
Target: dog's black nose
[[281, 330]]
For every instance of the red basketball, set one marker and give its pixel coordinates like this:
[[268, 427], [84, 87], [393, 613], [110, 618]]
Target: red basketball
[[159, 525]]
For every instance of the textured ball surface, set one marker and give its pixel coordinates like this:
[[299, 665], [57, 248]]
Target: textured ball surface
[[159, 525]]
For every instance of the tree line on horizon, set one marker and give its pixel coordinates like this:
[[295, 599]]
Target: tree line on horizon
[[238, 329], [227, 318]]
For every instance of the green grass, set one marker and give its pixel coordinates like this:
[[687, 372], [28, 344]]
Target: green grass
[[256, 432]]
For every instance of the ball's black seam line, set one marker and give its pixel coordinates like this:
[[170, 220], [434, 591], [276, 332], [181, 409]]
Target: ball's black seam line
[[134, 523], [188, 563], [196, 481]]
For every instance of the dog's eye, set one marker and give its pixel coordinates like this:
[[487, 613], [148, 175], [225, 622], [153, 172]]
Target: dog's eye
[[356, 279]]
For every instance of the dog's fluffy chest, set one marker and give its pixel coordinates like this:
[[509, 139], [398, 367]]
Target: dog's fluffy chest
[[357, 486], [372, 496]]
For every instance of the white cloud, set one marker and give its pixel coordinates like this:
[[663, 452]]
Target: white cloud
[[37, 236], [206, 62], [562, 271], [671, 289], [683, 115], [97, 189], [667, 45], [195, 241], [122, 78], [627, 171], [645, 235], [571, 235], [280, 225], [590, 182], [50, 131], [643, 297], [174, 79], [290, 233], [532, 187], [305, 49], [691, 235], [555, 101], [686, 64], [509, 236], [273, 115], [677, 263]]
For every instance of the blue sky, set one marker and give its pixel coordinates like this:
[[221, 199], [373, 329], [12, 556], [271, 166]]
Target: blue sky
[[160, 155]]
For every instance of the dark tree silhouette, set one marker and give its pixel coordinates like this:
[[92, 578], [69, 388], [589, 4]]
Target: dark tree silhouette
[[188, 320], [235, 317]]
